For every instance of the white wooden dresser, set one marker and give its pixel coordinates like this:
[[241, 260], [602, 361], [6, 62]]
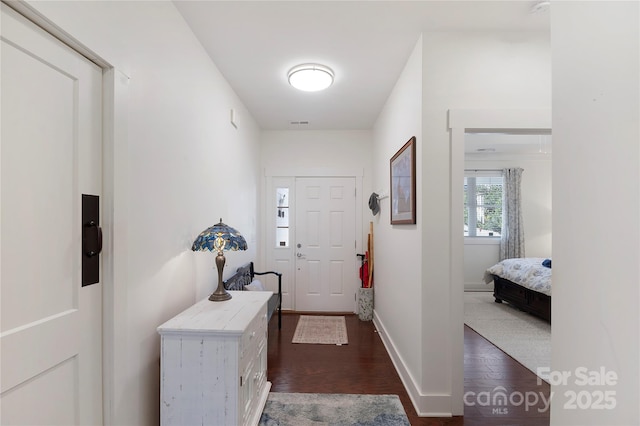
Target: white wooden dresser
[[214, 362]]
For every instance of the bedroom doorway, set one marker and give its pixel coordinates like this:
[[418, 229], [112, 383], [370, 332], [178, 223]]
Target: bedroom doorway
[[522, 336], [486, 154], [461, 123]]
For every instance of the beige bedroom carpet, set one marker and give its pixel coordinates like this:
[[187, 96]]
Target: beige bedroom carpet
[[525, 338], [324, 330]]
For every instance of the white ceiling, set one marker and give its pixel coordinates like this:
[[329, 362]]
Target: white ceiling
[[366, 43], [477, 145]]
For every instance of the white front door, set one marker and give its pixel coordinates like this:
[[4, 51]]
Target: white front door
[[326, 272], [51, 153]]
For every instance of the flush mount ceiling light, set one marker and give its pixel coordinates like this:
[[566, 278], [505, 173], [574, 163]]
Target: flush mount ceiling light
[[310, 77], [540, 7]]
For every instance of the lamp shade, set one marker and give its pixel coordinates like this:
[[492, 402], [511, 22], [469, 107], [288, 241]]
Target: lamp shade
[[219, 237]]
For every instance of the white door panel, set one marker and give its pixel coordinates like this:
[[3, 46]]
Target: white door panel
[[326, 274], [51, 153], [59, 410]]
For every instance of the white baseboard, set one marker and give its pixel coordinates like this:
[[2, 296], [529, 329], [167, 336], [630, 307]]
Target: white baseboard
[[480, 286], [426, 405]]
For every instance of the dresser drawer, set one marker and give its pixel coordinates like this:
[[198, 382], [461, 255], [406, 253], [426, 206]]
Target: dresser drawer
[[255, 334]]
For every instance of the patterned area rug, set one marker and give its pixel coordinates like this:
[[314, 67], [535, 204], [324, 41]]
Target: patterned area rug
[[525, 338], [324, 330], [302, 409]]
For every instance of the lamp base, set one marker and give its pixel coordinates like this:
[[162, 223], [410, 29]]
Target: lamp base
[[219, 297], [221, 293]]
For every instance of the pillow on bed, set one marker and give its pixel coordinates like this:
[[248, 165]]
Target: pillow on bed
[[255, 285]]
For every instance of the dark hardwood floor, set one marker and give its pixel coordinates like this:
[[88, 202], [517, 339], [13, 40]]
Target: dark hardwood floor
[[364, 367]]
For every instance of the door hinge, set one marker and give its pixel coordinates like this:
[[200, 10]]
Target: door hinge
[[240, 381]]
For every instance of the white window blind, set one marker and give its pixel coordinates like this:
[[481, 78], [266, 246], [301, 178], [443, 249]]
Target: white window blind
[[483, 203]]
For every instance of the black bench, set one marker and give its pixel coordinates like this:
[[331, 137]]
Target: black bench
[[244, 275]]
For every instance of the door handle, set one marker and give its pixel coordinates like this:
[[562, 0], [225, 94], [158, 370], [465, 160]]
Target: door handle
[[98, 239], [91, 239]]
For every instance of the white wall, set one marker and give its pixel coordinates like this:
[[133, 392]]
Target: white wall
[[180, 166], [316, 149], [536, 212], [596, 206], [397, 253], [296, 152]]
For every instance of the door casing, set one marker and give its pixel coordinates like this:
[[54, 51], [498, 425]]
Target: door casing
[[283, 259]]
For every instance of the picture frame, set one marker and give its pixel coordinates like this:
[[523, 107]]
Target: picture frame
[[403, 184]]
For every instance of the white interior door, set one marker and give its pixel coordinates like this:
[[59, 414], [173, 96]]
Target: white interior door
[[51, 327], [326, 273]]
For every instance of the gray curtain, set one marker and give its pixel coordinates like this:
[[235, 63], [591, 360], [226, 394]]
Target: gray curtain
[[512, 241]]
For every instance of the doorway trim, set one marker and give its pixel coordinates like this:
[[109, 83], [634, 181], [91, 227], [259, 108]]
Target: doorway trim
[[32, 14], [460, 121]]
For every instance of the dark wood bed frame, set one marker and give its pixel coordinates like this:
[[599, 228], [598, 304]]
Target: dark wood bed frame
[[526, 300]]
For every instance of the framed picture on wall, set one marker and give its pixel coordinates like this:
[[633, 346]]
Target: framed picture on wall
[[403, 184]]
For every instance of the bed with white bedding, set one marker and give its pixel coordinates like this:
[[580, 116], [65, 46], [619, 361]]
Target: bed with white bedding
[[523, 282]]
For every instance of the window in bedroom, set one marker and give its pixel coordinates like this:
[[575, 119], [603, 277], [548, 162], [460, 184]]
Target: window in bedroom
[[483, 203]]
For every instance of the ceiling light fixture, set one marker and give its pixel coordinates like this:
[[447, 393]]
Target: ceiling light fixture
[[540, 7], [310, 77]]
